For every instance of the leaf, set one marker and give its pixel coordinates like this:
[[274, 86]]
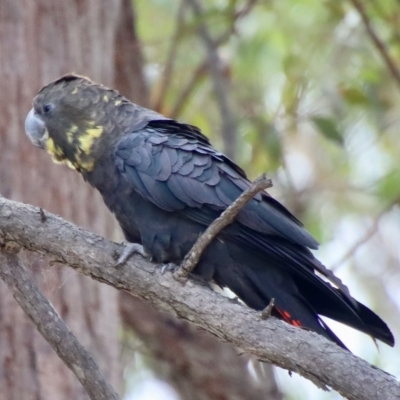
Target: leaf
[[328, 128], [388, 187], [355, 96]]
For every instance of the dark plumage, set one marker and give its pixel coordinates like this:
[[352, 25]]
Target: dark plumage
[[165, 184]]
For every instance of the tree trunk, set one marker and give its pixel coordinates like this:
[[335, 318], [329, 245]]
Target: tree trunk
[[39, 41]]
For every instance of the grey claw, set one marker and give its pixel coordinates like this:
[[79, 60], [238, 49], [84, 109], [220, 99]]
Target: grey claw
[[131, 248], [170, 267]]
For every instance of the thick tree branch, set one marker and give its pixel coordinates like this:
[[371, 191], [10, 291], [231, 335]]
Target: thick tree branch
[[206, 369], [226, 218], [53, 328], [270, 340]]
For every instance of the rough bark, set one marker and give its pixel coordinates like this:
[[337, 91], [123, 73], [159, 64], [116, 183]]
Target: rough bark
[[271, 340], [39, 41]]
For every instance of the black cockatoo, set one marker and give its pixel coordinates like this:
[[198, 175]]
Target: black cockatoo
[[165, 184]]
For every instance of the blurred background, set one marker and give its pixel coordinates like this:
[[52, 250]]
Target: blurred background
[[305, 90]]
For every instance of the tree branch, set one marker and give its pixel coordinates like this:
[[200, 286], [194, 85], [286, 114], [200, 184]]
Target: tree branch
[[128, 57], [166, 77], [199, 72], [379, 44], [206, 369], [367, 236], [182, 98], [271, 340], [219, 81], [226, 218], [53, 328]]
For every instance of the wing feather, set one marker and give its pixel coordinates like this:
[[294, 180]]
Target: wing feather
[[179, 172]]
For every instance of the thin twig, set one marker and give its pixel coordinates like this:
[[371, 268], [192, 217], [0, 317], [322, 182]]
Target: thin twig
[[220, 82], [227, 217], [369, 234], [199, 72], [266, 313], [166, 77], [53, 328], [245, 9], [379, 44], [186, 92]]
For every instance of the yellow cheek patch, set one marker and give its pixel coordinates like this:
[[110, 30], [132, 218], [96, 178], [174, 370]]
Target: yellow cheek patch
[[69, 163], [87, 139], [70, 133], [82, 159], [56, 152], [52, 148], [85, 145], [85, 165]]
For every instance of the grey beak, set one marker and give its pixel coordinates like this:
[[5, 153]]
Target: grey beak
[[35, 129]]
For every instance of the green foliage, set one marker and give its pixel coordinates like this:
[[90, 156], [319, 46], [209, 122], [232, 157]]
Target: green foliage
[[388, 187], [328, 128]]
